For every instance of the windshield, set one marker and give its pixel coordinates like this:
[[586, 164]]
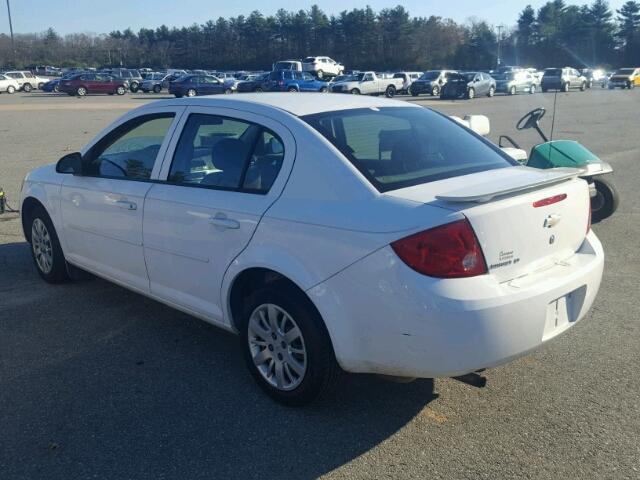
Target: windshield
[[625, 71], [431, 75], [469, 76], [553, 72], [397, 147]]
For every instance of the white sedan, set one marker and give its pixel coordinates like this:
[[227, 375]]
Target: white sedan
[[8, 85], [330, 232]]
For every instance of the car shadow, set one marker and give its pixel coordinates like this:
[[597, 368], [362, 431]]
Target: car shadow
[[101, 382]]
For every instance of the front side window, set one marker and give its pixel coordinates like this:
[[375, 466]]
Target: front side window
[[130, 151], [225, 153], [397, 147], [307, 76]]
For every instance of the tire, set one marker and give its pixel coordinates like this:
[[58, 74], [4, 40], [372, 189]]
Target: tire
[[134, 87], [27, 87], [355, 91], [492, 92], [605, 202], [228, 91], [45, 247], [177, 95], [583, 87], [40, 85], [191, 92], [258, 90], [512, 91], [390, 92], [317, 370], [292, 90], [56, 89], [11, 89], [157, 89], [565, 87], [631, 86], [324, 90], [414, 93], [435, 91], [320, 74], [121, 90], [81, 91], [471, 93]]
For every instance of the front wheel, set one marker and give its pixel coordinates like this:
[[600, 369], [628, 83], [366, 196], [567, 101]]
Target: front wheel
[[390, 92], [606, 200], [45, 247], [320, 74], [512, 91], [435, 91], [157, 89], [81, 91], [492, 92], [532, 89], [414, 93], [292, 89], [121, 90], [565, 87], [134, 87], [324, 90], [258, 90], [355, 91], [191, 92], [286, 345], [631, 85], [27, 87], [11, 89], [228, 91], [471, 93], [583, 87]]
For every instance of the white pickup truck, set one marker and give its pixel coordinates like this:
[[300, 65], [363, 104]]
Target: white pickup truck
[[368, 83]]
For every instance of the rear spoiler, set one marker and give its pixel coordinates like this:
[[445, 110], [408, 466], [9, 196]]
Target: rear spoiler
[[520, 179]]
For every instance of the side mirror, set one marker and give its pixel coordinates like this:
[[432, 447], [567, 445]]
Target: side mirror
[[70, 163]]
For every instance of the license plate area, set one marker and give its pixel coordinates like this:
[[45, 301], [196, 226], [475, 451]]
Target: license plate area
[[563, 312]]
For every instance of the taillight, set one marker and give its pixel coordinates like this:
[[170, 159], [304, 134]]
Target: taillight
[[447, 251]]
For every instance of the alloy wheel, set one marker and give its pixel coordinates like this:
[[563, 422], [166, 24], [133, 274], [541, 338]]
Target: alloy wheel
[[277, 347], [42, 247]]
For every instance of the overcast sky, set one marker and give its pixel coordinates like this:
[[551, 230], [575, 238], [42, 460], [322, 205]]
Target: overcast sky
[[67, 16]]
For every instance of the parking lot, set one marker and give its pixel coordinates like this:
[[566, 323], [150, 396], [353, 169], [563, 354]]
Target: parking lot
[[99, 382]]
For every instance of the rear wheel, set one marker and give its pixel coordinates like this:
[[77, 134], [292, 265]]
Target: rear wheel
[[45, 247], [355, 91], [258, 89], [583, 86], [157, 89], [512, 90], [121, 90], [390, 92], [435, 91], [134, 87], [292, 89], [491, 92], [532, 89], [605, 202], [414, 93], [286, 345], [191, 92], [27, 87], [81, 91], [631, 85], [40, 85], [324, 90], [227, 91], [565, 87]]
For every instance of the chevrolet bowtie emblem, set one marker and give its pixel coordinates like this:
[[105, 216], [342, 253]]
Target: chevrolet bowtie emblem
[[552, 220]]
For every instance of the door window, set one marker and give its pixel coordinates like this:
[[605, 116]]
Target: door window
[[307, 76], [130, 151], [224, 153]]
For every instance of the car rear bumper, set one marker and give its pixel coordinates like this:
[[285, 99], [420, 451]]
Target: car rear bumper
[[385, 318]]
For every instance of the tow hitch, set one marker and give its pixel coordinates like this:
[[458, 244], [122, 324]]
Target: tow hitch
[[474, 379]]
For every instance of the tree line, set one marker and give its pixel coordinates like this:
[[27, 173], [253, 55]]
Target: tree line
[[556, 34]]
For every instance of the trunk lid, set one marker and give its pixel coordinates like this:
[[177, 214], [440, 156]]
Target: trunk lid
[[525, 219]]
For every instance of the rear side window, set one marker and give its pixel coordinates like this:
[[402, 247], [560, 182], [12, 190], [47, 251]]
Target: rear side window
[[228, 154], [397, 147]]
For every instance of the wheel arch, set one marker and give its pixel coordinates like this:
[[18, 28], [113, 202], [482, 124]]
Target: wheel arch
[[28, 205]]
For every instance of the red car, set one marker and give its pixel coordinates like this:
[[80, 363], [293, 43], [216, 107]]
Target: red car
[[84, 83]]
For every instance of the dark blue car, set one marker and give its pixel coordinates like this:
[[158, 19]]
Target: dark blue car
[[192, 85], [292, 81]]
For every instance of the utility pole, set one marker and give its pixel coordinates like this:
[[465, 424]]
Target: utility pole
[[13, 47], [499, 27]]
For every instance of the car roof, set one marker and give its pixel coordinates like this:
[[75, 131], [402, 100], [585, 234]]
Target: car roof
[[298, 104]]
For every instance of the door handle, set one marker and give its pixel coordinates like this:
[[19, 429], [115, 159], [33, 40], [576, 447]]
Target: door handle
[[224, 222], [126, 204]]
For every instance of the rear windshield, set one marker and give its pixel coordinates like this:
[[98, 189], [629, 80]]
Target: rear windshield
[[398, 147], [309, 60], [431, 75], [553, 72]]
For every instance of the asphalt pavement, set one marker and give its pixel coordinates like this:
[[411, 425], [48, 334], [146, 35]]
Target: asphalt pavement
[[98, 382]]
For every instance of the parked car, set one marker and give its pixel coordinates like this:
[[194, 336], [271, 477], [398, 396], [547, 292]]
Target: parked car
[[468, 85], [397, 243], [132, 76], [293, 81], [407, 79], [52, 85], [515, 82], [193, 85], [563, 79], [154, 82], [625, 78], [322, 67], [26, 80], [253, 83], [369, 83], [8, 84], [593, 76], [430, 82], [295, 65], [84, 83]]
